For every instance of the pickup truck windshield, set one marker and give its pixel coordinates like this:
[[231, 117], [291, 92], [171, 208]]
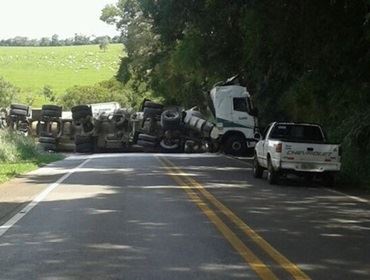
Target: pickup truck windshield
[[299, 133]]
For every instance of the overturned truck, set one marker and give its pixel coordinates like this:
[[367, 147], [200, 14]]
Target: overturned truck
[[230, 125]]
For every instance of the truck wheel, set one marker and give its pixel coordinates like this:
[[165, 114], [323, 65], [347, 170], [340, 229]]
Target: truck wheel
[[79, 139], [152, 112], [19, 107], [18, 112], [148, 144], [257, 168], [85, 148], [52, 108], [47, 147], [170, 120], [150, 104], [51, 113], [235, 145], [272, 175], [328, 180], [147, 137], [169, 147], [81, 111], [49, 140]]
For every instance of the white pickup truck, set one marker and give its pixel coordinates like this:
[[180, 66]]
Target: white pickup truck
[[297, 148]]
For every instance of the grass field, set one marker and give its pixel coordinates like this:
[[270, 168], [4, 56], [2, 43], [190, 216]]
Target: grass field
[[31, 68]]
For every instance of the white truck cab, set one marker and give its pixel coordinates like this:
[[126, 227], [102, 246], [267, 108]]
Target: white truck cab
[[235, 117]]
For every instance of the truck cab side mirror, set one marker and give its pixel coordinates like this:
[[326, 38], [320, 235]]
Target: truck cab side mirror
[[254, 112]]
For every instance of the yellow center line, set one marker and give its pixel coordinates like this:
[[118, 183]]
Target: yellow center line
[[249, 257], [290, 267]]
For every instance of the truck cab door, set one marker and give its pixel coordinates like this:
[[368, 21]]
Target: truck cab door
[[241, 117]]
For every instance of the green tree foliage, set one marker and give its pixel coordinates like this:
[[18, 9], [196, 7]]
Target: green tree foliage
[[302, 60], [106, 91], [8, 93]]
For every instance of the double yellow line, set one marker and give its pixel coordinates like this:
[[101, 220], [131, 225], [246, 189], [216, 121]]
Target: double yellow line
[[190, 186]]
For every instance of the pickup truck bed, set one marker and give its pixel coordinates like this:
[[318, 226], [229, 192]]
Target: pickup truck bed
[[296, 148]]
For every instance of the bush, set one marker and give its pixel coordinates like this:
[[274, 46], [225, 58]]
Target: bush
[[7, 93], [15, 148]]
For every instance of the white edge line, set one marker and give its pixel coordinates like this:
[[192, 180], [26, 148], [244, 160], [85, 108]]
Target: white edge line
[[355, 198], [23, 212]]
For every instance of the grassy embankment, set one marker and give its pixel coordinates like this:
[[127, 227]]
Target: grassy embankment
[[19, 154], [31, 68]]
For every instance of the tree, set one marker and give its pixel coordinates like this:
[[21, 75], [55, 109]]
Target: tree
[[55, 40], [104, 43]]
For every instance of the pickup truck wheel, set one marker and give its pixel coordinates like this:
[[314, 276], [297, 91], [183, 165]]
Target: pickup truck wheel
[[272, 175], [235, 145], [328, 180], [257, 169]]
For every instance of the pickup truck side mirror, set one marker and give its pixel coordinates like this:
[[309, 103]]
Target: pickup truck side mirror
[[257, 136]]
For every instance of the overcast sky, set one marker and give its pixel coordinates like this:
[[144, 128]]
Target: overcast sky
[[43, 18]]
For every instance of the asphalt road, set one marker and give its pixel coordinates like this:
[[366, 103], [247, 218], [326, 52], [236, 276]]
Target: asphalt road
[[146, 216]]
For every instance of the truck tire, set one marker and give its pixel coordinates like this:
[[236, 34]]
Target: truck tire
[[51, 114], [150, 104], [47, 147], [235, 145], [147, 137], [257, 168], [152, 112], [19, 107], [47, 140], [147, 144], [81, 111], [51, 108], [170, 120], [84, 148], [328, 180], [272, 174], [81, 114], [167, 147], [79, 139], [18, 112], [46, 134], [80, 108]]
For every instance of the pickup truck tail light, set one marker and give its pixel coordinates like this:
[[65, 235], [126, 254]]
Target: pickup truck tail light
[[279, 148]]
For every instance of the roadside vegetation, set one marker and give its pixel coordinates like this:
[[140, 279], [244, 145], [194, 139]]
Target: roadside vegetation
[[19, 154], [302, 60]]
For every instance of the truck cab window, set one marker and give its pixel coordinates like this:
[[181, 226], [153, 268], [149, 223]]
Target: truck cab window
[[240, 104]]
